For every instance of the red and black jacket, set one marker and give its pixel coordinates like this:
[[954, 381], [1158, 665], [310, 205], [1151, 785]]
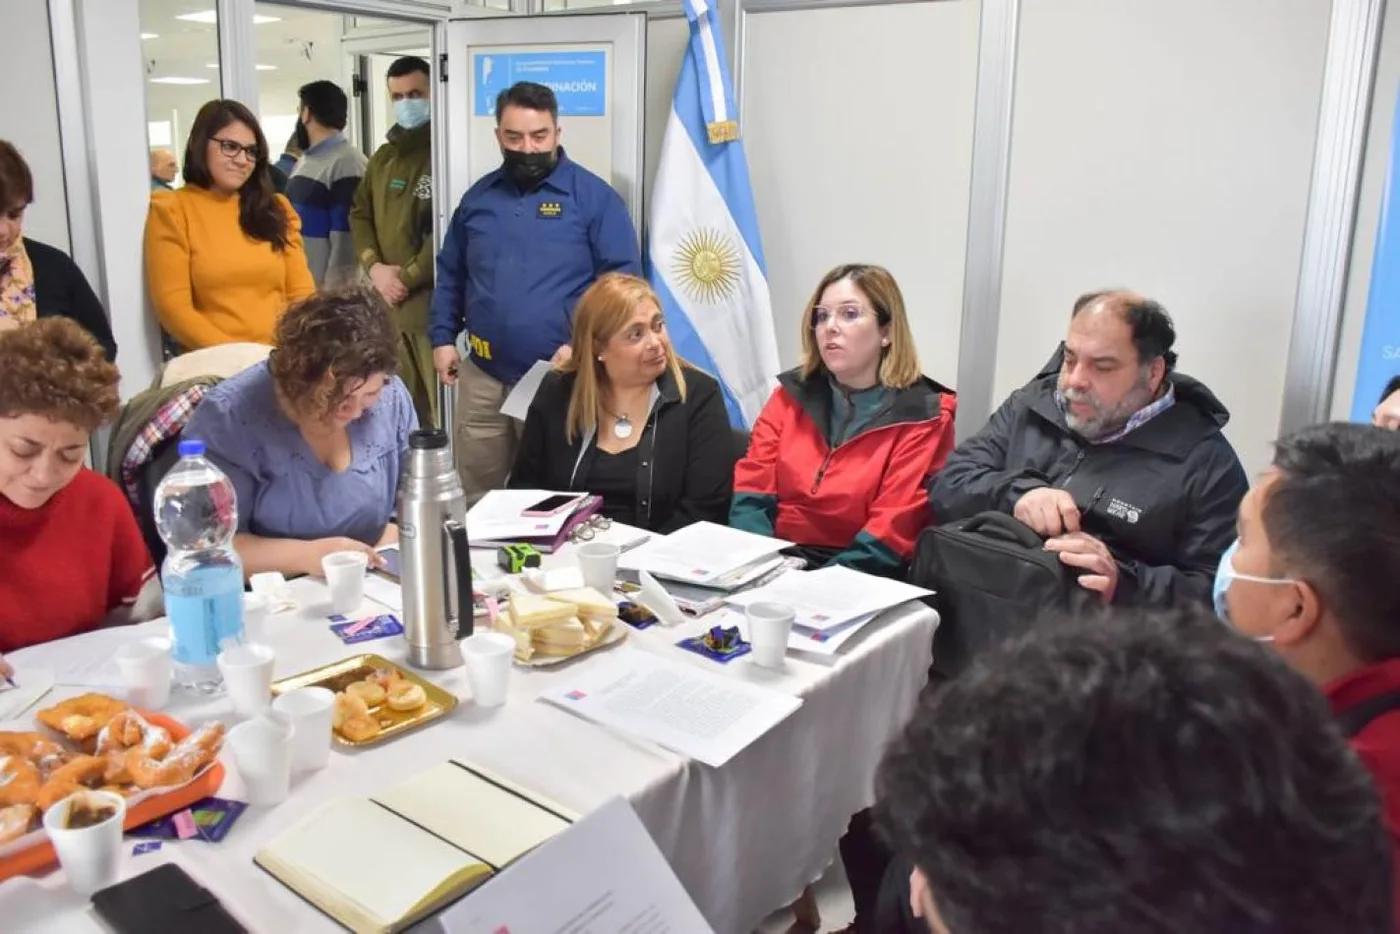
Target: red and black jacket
[[865, 497]]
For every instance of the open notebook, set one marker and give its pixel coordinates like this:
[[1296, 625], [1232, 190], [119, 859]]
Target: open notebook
[[379, 864]]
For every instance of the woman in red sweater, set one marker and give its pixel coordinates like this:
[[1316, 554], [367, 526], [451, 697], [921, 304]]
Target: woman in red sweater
[[842, 451], [72, 554]]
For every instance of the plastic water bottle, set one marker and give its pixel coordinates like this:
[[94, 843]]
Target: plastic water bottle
[[196, 516]]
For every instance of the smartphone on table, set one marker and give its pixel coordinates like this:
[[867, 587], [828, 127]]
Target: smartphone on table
[[552, 505], [393, 564]]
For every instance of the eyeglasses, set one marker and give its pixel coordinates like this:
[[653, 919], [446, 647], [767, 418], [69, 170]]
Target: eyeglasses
[[232, 150], [845, 315], [586, 530]]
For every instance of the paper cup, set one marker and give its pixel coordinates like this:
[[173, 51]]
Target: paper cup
[[310, 711], [255, 610], [262, 751], [488, 656], [345, 578], [247, 671], [598, 562], [769, 627], [145, 667], [90, 856]]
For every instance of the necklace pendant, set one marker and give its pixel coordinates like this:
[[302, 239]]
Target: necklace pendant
[[622, 428]]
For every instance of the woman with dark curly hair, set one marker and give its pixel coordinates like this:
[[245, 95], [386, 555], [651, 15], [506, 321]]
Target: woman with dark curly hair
[[224, 255], [313, 437], [72, 554]]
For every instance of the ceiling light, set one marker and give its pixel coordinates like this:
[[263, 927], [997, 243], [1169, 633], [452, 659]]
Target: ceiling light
[[210, 17], [149, 35], [258, 67], [179, 80]]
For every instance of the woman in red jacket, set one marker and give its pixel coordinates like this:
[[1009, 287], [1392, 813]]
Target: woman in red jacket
[[841, 452]]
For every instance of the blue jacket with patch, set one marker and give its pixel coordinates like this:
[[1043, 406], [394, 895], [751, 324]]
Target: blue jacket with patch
[[513, 264]]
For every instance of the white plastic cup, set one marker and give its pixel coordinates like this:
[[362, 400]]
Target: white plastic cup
[[255, 610], [488, 656], [310, 712], [145, 666], [770, 624], [247, 671], [262, 751], [598, 562], [90, 856], [345, 578]]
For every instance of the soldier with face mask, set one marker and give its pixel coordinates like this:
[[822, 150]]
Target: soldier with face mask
[[391, 223], [524, 244]]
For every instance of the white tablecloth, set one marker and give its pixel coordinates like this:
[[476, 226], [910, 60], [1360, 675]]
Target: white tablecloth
[[744, 839]]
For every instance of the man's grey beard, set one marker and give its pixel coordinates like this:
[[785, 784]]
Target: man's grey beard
[[1107, 421]]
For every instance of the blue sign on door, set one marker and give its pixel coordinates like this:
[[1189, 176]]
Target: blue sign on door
[[578, 79]]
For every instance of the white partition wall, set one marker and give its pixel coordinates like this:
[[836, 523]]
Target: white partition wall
[[29, 120], [667, 38], [857, 121], [1166, 147]]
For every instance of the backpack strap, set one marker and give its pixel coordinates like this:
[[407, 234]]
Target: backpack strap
[[1355, 719]]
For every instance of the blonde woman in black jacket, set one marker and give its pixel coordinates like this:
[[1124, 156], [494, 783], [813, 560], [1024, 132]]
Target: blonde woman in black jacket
[[625, 418]]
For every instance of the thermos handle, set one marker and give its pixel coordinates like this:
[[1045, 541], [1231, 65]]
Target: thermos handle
[[447, 414], [462, 564]]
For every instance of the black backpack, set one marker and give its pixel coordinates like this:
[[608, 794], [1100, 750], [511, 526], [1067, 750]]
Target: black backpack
[[992, 578]]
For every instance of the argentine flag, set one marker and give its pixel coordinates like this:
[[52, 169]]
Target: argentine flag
[[704, 258]]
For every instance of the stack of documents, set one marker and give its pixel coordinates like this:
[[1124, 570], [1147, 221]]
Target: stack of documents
[[707, 555], [832, 603], [697, 713], [498, 518]]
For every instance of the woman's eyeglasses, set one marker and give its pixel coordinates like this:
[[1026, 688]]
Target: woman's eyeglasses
[[586, 530], [844, 315], [232, 150]]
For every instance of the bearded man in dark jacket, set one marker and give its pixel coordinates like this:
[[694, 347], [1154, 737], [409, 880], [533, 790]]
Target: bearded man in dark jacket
[[1111, 455]]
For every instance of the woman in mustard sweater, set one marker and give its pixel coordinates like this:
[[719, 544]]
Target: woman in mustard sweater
[[224, 255]]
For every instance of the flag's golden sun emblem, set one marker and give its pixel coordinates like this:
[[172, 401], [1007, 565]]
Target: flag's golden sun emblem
[[707, 265]]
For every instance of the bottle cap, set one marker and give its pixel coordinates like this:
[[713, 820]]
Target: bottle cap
[[191, 447]]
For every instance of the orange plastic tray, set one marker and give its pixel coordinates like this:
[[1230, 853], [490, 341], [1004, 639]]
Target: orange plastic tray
[[41, 855]]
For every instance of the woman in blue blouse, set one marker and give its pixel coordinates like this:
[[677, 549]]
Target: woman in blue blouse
[[313, 438]]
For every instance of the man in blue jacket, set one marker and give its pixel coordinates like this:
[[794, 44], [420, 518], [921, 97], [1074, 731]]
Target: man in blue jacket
[[524, 244]]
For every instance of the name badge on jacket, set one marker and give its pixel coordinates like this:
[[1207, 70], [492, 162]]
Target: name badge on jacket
[[550, 210]]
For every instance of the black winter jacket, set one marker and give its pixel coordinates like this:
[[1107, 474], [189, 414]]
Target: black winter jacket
[[60, 288], [1163, 498]]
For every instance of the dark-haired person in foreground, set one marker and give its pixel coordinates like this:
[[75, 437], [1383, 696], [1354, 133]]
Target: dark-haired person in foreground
[[1117, 460], [1140, 773], [314, 437], [524, 244], [391, 222], [223, 253], [323, 183], [1314, 577]]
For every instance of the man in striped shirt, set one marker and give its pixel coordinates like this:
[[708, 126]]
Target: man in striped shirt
[[322, 186]]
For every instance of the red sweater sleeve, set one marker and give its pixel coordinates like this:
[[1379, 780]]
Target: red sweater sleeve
[[131, 560]]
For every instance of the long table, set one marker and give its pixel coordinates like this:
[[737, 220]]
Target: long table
[[744, 839]]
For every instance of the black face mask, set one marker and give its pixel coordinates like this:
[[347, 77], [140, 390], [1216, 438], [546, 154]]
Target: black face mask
[[303, 137], [528, 169]]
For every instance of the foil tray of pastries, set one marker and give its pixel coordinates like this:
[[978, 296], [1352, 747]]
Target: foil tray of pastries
[[374, 698], [95, 742], [555, 627]]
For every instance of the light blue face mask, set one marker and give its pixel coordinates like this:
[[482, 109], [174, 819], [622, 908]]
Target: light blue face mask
[[1225, 575], [412, 112]]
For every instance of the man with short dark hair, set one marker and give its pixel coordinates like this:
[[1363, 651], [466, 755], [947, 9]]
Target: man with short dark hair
[[1314, 576], [524, 244], [392, 225], [1117, 460], [322, 185], [1139, 773]]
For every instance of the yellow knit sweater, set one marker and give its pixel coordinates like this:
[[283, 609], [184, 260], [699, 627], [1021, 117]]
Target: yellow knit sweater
[[210, 284]]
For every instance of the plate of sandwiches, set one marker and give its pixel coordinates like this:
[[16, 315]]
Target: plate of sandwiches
[[552, 628]]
